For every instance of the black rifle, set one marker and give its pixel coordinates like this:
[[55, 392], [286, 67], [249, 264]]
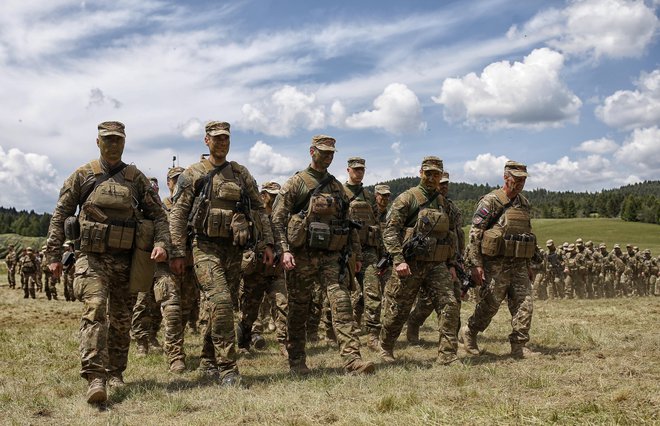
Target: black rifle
[[244, 205], [464, 277], [346, 252]]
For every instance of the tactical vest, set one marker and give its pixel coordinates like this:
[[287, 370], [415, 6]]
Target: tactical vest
[[29, 265], [108, 216], [432, 225], [362, 212], [511, 235]]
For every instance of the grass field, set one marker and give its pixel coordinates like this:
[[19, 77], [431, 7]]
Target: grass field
[[600, 365]]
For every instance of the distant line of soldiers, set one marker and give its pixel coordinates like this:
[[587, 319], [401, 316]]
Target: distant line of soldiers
[[582, 270]]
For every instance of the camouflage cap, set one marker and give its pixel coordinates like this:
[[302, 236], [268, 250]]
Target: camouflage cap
[[44, 247], [153, 179], [445, 177], [628, 245], [356, 162], [647, 251], [324, 143], [589, 243], [215, 128], [67, 243], [174, 172], [549, 243], [108, 128], [571, 247], [564, 244], [271, 187], [636, 248], [29, 249], [617, 246], [432, 163], [516, 169], [602, 245], [578, 242], [382, 189]]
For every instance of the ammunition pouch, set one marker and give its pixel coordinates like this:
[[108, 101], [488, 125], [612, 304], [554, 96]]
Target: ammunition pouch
[[362, 213], [121, 234], [319, 236], [218, 223], [434, 250], [93, 236], [339, 235], [432, 222], [296, 230], [71, 228], [249, 262]]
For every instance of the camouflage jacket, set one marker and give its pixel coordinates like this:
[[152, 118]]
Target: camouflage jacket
[[10, 260], [80, 183], [184, 197], [575, 262], [400, 217], [553, 264], [28, 264], [291, 201]]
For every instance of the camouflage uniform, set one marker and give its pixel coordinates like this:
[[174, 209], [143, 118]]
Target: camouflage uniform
[[68, 275], [575, 265], [311, 223], [539, 284], [629, 277], [216, 256], [553, 271], [49, 280], [146, 317], [29, 266], [434, 223], [503, 247], [11, 262], [618, 267], [582, 284], [102, 270]]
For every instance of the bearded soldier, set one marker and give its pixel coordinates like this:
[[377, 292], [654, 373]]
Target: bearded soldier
[[116, 202]]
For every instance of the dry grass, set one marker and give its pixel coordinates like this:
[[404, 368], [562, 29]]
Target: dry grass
[[600, 364]]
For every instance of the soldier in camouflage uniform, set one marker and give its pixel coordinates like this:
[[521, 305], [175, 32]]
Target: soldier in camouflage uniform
[[313, 228], [49, 281], [421, 214], [220, 196], [553, 272], [68, 272], [11, 262], [573, 264], [618, 266], [374, 284], [145, 322], [539, 289], [114, 198], [424, 305], [20, 272], [607, 271], [630, 272], [597, 274], [579, 277], [260, 282], [499, 252], [28, 265]]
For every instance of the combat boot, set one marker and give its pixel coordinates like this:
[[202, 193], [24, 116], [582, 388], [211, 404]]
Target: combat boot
[[412, 334], [142, 347], [96, 392], [387, 355], [447, 358], [469, 340], [116, 381], [372, 342], [232, 380], [520, 351], [243, 338], [47, 293], [154, 344], [177, 366], [26, 294], [359, 366], [299, 367], [33, 294]]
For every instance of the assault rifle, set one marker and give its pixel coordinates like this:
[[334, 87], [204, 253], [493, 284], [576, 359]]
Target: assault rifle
[[464, 277], [345, 254]]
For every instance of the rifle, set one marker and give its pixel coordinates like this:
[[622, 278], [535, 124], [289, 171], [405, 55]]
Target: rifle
[[346, 253], [244, 205], [466, 279]]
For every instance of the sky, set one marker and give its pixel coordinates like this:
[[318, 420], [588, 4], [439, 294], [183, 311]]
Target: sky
[[570, 88]]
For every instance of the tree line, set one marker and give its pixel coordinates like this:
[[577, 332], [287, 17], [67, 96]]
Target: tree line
[[29, 224]]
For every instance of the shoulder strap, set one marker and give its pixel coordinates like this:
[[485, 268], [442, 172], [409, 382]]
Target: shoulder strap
[[310, 182], [101, 177], [422, 201], [357, 194], [211, 171], [505, 203], [312, 188]]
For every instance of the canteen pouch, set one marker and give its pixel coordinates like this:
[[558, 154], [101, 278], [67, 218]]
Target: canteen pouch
[[492, 243], [218, 223], [121, 237], [93, 237], [142, 271], [319, 235], [373, 236], [249, 262], [296, 231]]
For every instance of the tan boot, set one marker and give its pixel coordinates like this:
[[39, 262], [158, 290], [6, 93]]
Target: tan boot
[[387, 355], [299, 367], [446, 359], [412, 334], [116, 381], [372, 342], [469, 340], [359, 366], [177, 366], [520, 351], [96, 392], [142, 348]]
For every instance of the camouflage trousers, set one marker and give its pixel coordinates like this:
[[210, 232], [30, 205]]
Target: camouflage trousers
[[218, 272], [314, 266], [176, 297], [423, 307], [358, 298], [146, 318], [400, 294], [608, 284], [254, 289], [539, 287], [50, 284], [11, 276], [505, 279], [317, 312], [29, 282], [67, 277], [374, 286], [574, 285], [101, 283], [554, 285]]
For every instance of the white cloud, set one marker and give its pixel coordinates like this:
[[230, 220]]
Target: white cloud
[[28, 181], [642, 151], [629, 109], [396, 110], [591, 173], [485, 168], [192, 129], [263, 158], [611, 28], [598, 146], [523, 94]]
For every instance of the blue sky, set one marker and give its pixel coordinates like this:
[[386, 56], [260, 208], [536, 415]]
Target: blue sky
[[572, 88]]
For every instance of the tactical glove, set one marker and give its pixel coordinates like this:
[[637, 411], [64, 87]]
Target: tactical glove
[[240, 228]]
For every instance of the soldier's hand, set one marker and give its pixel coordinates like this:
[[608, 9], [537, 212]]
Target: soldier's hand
[[159, 254], [178, 265], [452, 272], [478, 275], [530, 273], [240, 228], [358, 266], [56, 269], [268, 256], [288, 261], [403, 270]]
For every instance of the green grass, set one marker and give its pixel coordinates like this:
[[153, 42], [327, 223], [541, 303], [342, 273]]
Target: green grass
[[600, 365]]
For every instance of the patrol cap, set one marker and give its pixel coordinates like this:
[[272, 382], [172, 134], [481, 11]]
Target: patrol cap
[[516, 169], [215, 128], [602, 245], [565, 244], [174, 172], [445, 177], [44, 247], [29, 249], [571, 247], [432, 163], [628, 245], [578, 242], [647, 251], [324, 143], [67, 243], [271, 187], [153, 179], [636, 248], [617, 246], [108, 128], [589, 243], [549, 243], [382, 189], [356, 162]]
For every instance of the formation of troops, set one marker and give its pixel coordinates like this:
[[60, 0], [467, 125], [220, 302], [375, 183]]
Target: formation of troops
[[236, 260]]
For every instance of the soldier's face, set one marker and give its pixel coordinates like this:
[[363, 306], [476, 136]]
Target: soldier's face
[[111, 147], [444, 188], [514, 184], [430, 179], [218, 145], [355, 175], [382, 200], [171, 183], [322, 159]]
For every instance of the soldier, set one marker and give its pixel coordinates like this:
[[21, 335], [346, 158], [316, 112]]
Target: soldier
[[29, 266], [313, 228], [375, 285], [649, 271], [18, 263], [630, 272], [220, 196], [574, 266], [49, 280], [146, 320], [260, 283], [539, 288], [11, 262], [580, 275], [615, 259], [420, 236], [553, 271], [115, 201], [500, 248], [607, 271], [68, 264], [423, 305]]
